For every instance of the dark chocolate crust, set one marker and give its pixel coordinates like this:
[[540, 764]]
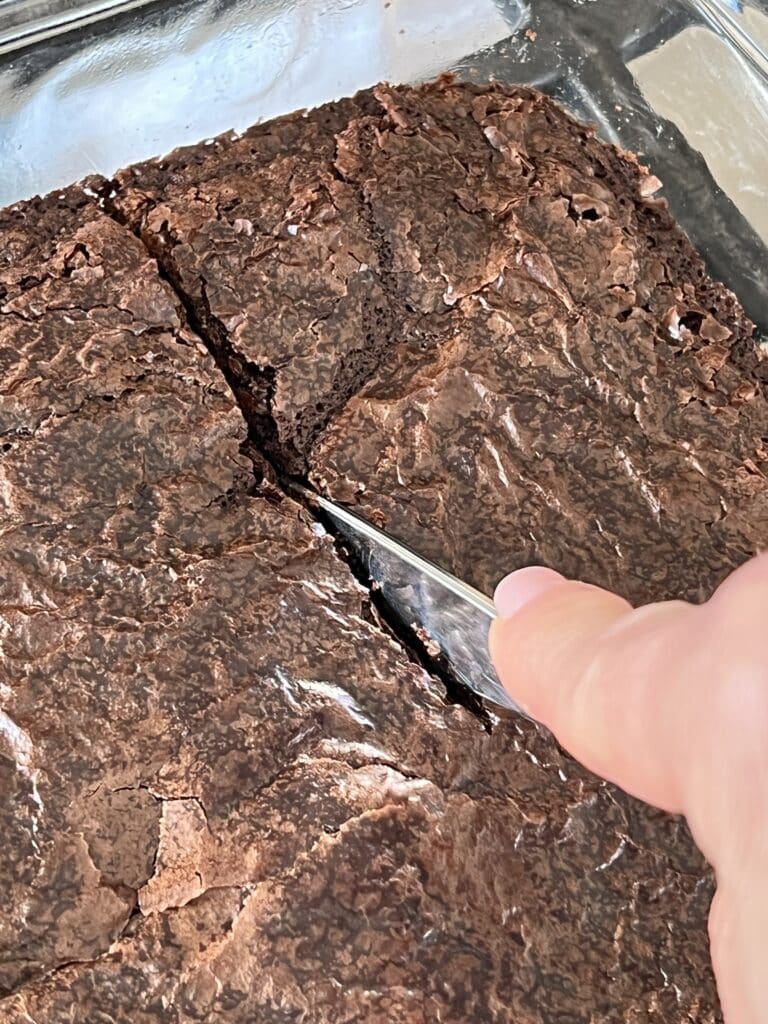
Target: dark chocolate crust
[[231, 795], [466, 314], [192, 694]]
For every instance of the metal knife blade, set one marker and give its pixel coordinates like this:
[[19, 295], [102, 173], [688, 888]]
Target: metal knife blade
[[441, 609]]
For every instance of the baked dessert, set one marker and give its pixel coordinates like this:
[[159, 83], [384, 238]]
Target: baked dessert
[[231, 794], [467, 315], [196, 698]]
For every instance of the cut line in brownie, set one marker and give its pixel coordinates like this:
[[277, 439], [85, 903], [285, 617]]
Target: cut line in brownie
[[555, 378], [245, 196]]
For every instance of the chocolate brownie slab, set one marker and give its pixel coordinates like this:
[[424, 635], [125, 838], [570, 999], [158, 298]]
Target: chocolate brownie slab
[[456, 308], [193, 694]]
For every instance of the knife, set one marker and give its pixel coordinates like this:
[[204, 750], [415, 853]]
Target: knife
[[449, 617]]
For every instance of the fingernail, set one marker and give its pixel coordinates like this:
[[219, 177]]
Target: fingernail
[[521, 587]]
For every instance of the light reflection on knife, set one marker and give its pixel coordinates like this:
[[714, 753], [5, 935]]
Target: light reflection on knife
[[440, 608]]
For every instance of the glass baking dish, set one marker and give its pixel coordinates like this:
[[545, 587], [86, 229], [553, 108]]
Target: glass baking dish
[[91, 86]]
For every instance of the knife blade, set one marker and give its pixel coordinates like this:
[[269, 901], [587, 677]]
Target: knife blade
[[449, 616]]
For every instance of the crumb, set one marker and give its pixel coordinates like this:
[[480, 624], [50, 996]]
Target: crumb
[[431, 648]]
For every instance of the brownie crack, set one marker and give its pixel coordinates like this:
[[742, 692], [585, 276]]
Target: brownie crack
[[253, 388]]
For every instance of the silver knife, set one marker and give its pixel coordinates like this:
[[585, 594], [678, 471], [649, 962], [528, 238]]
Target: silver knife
[[447, 615]]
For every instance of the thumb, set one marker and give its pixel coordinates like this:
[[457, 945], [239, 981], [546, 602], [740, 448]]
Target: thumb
[[581, 661], [670, 702]]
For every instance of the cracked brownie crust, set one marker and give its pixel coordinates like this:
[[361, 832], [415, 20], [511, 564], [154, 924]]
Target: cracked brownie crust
[[231, 238], [230, 795], [191, 692], [549, 376]]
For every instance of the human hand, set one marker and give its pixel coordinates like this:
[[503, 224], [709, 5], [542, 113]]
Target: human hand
[[670, 702]]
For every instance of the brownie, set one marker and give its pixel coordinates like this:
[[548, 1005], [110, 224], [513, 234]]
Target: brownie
[[195, 693], [544, 373], [227, 794], [426, 906], [597, 404], [229, 223], [231, 794]]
